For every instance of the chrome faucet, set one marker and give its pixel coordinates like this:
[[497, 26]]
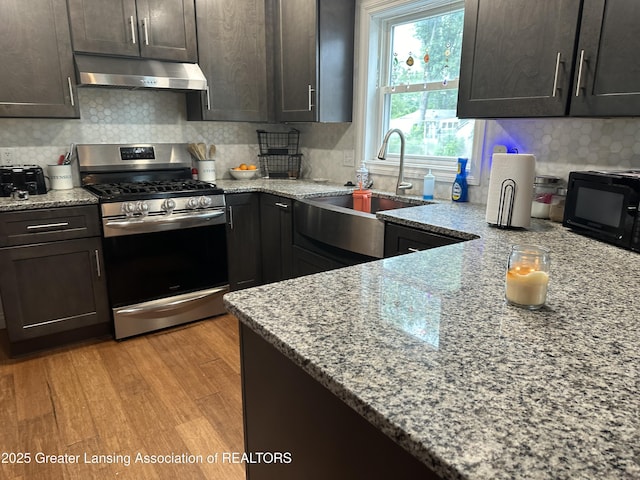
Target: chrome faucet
[[401, 186]]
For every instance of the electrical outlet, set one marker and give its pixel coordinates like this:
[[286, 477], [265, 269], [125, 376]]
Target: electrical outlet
[[6, 156], [349, 160]]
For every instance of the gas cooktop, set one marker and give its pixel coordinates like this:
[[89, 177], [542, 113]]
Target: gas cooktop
[[122, 191]]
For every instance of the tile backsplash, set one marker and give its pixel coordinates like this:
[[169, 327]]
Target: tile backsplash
[[129, 116]]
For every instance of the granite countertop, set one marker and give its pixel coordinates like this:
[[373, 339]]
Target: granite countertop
[[424, 347], [51, 199]]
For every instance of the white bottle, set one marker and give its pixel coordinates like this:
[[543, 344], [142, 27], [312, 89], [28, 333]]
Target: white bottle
[[429, 186]]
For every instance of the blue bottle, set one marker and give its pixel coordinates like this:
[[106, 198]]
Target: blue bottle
[[460, 189]]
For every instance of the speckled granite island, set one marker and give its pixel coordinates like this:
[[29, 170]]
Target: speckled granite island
[[424, 348]]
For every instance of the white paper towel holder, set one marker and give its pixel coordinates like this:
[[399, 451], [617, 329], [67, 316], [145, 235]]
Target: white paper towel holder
[[509, 200]]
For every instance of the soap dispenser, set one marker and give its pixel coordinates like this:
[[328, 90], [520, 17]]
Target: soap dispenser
[[362, 176], [361, 196], [429, 186]]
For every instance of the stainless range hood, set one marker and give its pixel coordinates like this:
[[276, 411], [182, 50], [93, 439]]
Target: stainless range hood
[[138, 73]]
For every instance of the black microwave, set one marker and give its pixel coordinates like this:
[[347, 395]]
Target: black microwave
[[604, 205]]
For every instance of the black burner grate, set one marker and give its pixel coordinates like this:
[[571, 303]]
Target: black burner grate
[[149, 189]]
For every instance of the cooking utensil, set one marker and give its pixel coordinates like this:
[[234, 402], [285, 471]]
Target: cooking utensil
[[195, 151], [202, 148], [212, 150]]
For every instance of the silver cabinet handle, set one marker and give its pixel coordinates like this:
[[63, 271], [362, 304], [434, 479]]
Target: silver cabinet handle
[[133, 30], [146, 30], [73, 102], [411, 249], [579, 73], [47, 225], [98, 270], [282, 205], [208, 98], [555, 76], [311, 90], [230, 217]]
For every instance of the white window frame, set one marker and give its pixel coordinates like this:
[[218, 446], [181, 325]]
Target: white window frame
[[371, 20]]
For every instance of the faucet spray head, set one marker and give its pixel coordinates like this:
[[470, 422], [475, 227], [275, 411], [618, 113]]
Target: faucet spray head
[[383, 150]]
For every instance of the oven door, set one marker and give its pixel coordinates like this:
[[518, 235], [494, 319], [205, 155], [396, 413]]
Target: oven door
[[602, 209], [165, 278]]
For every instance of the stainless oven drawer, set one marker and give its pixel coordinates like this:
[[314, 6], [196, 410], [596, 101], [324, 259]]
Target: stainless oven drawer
[[167, 312]]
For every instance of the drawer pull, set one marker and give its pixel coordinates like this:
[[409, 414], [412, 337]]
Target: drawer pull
[[411, 249], [47, 225], [282, 205]]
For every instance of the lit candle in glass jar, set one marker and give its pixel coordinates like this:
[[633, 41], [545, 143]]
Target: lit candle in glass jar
[[527, 276]]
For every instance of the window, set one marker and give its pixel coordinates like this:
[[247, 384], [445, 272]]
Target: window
[[410, 55]]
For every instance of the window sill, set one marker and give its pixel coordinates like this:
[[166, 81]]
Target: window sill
[[443, 171]]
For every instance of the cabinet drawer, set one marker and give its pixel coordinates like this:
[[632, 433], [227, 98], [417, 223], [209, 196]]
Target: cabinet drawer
[[399, 240], [38, 226]]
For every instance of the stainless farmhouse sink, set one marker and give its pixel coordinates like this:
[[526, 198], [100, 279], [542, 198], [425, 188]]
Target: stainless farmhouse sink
[[333, 221], [378, 203]]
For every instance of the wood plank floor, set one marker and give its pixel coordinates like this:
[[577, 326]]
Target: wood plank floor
[[167, 393]]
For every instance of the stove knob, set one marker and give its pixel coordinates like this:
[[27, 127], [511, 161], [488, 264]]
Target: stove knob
[[142, 208], [168, 205], [205, 202], [128, 208], [192, 202]]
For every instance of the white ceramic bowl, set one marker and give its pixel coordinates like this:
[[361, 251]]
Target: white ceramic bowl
[[243, 174]]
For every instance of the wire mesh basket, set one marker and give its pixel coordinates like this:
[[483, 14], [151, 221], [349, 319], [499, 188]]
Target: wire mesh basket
[[279, 143], [280, 166]]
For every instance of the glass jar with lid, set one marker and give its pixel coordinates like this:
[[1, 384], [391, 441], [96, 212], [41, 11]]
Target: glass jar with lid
[[544, 187], [556, 209]]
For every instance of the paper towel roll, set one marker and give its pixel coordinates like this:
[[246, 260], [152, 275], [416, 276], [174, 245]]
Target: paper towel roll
[[512, 176]]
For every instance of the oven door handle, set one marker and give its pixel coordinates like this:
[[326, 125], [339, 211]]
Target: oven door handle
[[164, 219]]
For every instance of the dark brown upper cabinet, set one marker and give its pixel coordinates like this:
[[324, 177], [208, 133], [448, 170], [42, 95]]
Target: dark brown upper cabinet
[[547, 59], [313, 41], [607, 73], [158, 29], [233, 57], [38, 78]]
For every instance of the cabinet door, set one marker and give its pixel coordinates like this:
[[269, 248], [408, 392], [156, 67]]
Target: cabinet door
[[109, 28], [314, 60], [243, 240], [296, 59], [517, 58], [608, 64], [53, 287], [167, 30], [232, 55], [38, 78], [276, 230]]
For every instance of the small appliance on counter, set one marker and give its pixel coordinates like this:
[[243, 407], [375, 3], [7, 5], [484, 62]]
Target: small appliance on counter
[[26, 178], [510, 190], [604, 205]]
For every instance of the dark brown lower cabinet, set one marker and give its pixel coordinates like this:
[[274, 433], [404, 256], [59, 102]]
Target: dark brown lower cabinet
[[243, 240], [276, 234], [317, 435], [53, 289]]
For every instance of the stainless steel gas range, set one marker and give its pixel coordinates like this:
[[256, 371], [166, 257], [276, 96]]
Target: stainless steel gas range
[[163, 235]]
